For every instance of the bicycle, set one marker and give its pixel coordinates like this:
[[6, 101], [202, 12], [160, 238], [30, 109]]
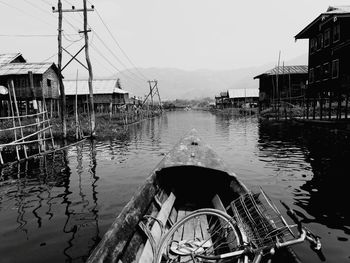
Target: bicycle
[[253, 230]]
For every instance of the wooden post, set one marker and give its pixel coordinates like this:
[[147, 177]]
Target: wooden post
[[49, 123], [35, 106], [307, 107], [321, 105], [92, 115], [330, 106], [51, 108], [59, 66], [77, 128], [11, 86], [346, 105], [314, 107], [14, 123], [339, 106]]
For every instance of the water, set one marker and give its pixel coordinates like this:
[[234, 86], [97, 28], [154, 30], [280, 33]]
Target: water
[[58, 208]]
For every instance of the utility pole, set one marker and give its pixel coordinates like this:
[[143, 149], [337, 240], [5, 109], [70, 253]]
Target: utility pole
[[59, 65], [151, 91], [60, 12], [91, 97], [153, 87]]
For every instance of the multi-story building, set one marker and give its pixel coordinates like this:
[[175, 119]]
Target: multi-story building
[[329, 58]]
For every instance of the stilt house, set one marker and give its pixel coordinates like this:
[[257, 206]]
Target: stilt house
[[45, 86], [284, 84], [108, 97], [329, 61], [243, 97]]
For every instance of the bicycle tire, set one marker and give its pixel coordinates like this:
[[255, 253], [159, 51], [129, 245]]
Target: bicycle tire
[[226, 225]]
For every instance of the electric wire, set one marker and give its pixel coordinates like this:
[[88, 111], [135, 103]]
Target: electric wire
[[119, 46], [112, 65], [114, 55]]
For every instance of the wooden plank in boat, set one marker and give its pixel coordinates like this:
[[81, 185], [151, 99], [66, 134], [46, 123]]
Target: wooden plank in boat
[[231, 238], [173, 216], [147, 253], [198, 229], [178, 234], [188, 234], [205, 233]]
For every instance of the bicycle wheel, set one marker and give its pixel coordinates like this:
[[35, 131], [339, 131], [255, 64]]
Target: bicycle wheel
[[201, 235]]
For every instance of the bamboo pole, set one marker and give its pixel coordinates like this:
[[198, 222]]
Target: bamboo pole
[[25, 137], [43, 106], [23, 126], [26, 142], [48, 120], [14, 124], [23, 116], [35, 104], [11, 86]]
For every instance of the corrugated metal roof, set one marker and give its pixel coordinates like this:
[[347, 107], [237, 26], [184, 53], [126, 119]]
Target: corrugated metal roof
[[7, 58], [338, 9], [100, 86], [286, 70], [23, 68], [243, 93]]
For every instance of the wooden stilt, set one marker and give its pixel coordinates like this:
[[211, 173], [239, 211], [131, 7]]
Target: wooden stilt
[[346, 105], [1, 159], [314, 108], [330, 106], [307, 107], [321, 105], [339, 106], [11, 86], [14, 124]]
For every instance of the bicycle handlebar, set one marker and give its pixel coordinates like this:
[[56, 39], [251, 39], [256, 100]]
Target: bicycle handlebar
[[303, 231], [292, 242]]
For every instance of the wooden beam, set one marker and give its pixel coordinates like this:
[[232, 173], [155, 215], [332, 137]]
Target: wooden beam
[[147, 253]]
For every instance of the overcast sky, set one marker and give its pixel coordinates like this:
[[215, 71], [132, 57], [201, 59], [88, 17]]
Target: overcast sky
[[184, 34]]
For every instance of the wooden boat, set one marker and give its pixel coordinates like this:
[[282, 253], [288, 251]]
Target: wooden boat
[[191, 176]]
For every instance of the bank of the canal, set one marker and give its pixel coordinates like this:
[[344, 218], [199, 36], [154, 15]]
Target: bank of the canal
[[57, 208]]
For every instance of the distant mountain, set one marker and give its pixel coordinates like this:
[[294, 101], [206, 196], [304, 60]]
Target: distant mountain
[[181, 84]]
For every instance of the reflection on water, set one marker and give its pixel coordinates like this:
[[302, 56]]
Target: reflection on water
[[57, 208]]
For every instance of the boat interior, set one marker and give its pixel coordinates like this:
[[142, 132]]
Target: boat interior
[[181, 190]]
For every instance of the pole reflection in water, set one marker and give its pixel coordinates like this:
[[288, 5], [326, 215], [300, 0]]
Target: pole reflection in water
[[43, 194]]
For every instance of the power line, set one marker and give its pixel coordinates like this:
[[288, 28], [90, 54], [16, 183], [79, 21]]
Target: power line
[[117, 43], [115, 56], [33, 35], [112, 65], [28, 14]]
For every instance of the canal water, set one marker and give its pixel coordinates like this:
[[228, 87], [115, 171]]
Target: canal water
[[57, 208]]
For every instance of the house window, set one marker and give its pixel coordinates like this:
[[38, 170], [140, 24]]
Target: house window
[[313, 45], [326, 70], [327, 37], [49, 82], [335, 68], [319, 41], [336, 33], [318, 73], [311, 75]]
